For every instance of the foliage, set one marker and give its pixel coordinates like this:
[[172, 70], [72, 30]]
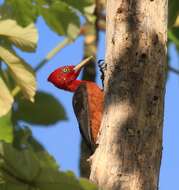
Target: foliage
[[24, 163], [27, 165], [6, 99], [173, 12], [24, 38], [173, 35], [32, 112], [173, 22], [61, 16], [6, 128]]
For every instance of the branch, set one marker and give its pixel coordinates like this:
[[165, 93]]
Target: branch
[[52, 53], [176, 71]]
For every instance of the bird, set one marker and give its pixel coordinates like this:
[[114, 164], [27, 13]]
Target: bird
[[87, 100]]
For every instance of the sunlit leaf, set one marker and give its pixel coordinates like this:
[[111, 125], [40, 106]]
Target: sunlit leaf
[[6, 98], [177, 22], [46, 110], [6, 128], [21, 72], [89, 13], [61, 18], [8, 78], [24, 38]]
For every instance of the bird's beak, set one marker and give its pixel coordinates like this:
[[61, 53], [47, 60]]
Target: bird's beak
[[83, 63]]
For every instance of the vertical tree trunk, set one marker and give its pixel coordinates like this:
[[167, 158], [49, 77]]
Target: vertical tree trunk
[[130, 144]]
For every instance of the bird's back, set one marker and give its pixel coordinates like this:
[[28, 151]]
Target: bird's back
[[88, 107]]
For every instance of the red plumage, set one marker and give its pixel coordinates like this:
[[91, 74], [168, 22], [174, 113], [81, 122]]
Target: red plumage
[[65, 78], [95, 99]]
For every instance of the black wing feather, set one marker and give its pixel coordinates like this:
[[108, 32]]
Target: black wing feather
[[81, 110]]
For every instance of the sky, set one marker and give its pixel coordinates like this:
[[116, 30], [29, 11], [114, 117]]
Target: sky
[[170, 160], [62, 140]]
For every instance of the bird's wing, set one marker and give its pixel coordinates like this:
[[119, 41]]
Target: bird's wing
[[81, 110], [88, 107]]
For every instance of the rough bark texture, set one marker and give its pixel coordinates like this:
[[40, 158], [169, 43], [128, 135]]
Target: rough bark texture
[[130, 144]]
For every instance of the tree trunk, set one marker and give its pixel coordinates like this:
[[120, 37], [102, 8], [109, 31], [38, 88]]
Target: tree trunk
[[130, 142]]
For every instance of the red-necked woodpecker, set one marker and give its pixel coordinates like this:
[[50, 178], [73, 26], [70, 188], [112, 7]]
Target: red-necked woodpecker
[[87, 100]]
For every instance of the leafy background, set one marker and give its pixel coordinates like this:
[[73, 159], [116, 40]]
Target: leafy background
[[51, 120], [24, 162]]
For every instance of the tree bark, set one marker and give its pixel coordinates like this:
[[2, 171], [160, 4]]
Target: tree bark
[[130, 142]]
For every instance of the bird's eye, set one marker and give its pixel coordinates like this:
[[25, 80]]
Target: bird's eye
[[66, 70]]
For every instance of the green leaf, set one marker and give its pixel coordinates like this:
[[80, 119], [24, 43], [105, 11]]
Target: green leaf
[[86, 7], [21, 72], [21, 136], [45, 159], [23, 11], [20, 164], [173, 12], [14, 186], [24, 38], [89, 13], [81, 5], [173, 35], [46, 110], [50, 179], [24, 138], [6, 98], [21, 167], [6, 128], [61, 19], [6, 76], [87, 185]]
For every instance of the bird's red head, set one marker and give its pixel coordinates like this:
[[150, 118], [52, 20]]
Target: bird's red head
[[65, 77]]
